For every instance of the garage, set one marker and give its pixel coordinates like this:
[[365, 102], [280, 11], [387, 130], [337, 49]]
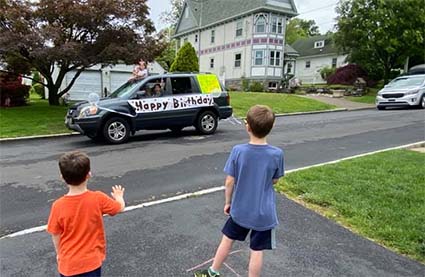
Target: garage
[[89, 81]]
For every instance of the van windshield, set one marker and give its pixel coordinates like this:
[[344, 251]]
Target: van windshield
[[407, 82], [125, 90]]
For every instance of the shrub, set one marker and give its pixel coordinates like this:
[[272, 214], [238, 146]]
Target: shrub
[[256, 87], [36, 87], [186, 60], [245, 84], [13, 92], [348, 74], [326, 72]]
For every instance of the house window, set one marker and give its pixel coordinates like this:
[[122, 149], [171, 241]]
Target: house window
[[259, 57], [239, 28], [319, 44], [212, 63], [275, 58], [334, 61], [238, 59], [277, 25], [212, 36], [260, 25], [272, 85], [307, 64], [196, 38]]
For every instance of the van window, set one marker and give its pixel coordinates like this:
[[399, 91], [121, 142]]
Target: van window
[[154, 88], [181, 85]]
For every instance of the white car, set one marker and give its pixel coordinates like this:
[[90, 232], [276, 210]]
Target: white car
[[403, 91]]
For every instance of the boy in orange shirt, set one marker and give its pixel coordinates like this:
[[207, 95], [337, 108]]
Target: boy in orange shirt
[[76, 219]]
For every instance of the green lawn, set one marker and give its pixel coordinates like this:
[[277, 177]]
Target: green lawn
[[381, 197], [37, 118], [280, 103], [369, 98]]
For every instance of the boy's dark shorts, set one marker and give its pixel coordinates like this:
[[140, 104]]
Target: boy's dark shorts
[[95, 273], [260, 240]]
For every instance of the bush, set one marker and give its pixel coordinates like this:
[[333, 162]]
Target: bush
[[186, 60], [36, 87], [326, 72], [245, 84], [13, 92], [348, 74], [256, 87]]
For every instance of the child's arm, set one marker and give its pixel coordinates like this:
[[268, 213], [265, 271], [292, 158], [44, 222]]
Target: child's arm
[[55, 239], [228, 184], [118, 194]]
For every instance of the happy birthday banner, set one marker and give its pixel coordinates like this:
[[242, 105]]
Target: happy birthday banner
[[161, 104]]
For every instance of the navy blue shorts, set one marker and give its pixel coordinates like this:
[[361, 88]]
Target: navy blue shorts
[[95, 273], [260, 240]]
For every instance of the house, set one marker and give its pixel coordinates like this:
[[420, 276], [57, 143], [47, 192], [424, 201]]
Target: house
[[316, 53], [238, 39], [102, 80]]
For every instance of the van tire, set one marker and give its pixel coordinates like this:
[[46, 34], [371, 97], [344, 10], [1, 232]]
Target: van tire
[[116, 130], [207, 123]]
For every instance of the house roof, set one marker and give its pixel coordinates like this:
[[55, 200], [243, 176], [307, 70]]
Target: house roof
[[289, 51], [204, 13], [305, 46]]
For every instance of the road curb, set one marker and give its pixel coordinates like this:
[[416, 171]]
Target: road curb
[[313, 112], [40, 137]]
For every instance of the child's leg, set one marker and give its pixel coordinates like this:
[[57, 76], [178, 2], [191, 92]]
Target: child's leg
[[255, 263], [222, 253]]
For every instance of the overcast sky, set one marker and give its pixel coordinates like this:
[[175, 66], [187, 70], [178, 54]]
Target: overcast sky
[[323, 12]]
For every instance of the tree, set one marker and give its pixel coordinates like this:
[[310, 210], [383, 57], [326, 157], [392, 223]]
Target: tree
[[299, 28], [186, 60], [379, 35], [166, 58], [171, 17], [72, 35]]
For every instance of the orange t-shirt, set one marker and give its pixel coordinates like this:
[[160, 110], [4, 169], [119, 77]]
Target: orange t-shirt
[[79, 221]]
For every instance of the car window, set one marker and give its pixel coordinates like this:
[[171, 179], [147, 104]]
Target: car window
[[181, 85], [154, 88], [126, 89], [407, 82]]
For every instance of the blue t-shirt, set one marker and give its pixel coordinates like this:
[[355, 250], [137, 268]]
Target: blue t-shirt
[[253, 201]]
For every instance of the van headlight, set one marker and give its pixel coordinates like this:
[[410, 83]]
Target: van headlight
[[411, 92], [88, 111]]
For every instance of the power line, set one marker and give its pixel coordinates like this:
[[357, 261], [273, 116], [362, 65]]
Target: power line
[[318, 9]]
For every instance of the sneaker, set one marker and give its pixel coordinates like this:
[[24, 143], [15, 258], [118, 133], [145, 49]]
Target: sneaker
[[206, 273]]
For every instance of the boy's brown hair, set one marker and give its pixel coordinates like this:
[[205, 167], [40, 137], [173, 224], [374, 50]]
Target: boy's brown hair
[[74, 167], [260, 119]]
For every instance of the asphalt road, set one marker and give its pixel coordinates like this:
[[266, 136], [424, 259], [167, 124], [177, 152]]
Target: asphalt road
[[156, 165]]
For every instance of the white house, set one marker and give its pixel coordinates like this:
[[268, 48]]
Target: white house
[[101, 80], [238, 38], [316, 53]]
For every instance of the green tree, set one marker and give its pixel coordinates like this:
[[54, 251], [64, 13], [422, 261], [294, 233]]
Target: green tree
[[379, 35], [36, 85], [299, 28], [186, 60], [166, 58], [172, 16], [72, 35]]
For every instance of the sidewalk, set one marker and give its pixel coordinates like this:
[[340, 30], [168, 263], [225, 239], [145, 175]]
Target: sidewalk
[[339, 102]]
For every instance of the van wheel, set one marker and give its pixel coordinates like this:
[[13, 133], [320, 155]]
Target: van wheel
[[422, 104], [207, 123], [116, 130]]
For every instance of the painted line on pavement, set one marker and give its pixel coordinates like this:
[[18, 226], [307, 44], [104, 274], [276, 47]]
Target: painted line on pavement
[[215, 189]]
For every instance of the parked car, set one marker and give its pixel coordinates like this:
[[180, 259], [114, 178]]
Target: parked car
[[169, 101], [403, 91]]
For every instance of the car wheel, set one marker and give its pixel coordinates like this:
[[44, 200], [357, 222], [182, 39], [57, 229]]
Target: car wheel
[[380, 108], [176, 129], [207, 123], [116, 130], [422, 104]]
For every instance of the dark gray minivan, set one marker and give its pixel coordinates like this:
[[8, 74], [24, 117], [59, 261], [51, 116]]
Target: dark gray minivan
[[168, 101]]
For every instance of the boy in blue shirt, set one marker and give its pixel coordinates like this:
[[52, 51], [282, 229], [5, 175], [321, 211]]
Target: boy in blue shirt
[[252, 169]]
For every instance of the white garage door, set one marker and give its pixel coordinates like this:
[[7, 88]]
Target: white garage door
[[87, 82], [118, 78]]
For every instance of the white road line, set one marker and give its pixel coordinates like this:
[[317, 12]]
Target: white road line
[[215, 189]]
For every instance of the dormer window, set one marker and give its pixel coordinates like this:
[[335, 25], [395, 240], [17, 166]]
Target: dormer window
[[319, 44]]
